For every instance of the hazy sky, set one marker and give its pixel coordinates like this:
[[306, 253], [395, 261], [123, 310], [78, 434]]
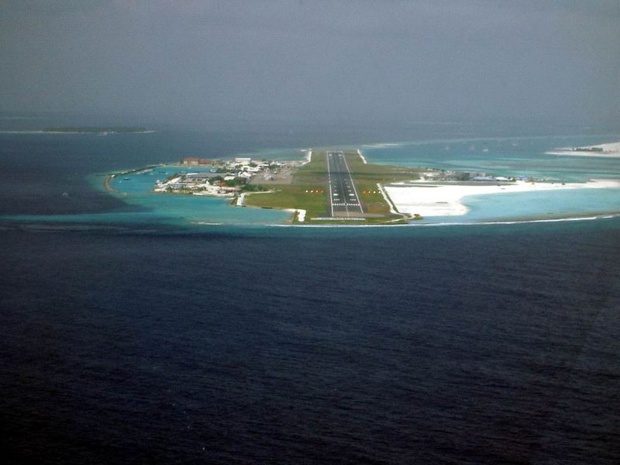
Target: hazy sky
[[367, 59]]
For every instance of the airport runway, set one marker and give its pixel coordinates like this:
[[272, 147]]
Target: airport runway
[[343, 197]]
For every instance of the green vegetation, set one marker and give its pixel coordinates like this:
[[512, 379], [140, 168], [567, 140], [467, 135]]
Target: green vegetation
[[309, 190], [253, 188], [96, 129]]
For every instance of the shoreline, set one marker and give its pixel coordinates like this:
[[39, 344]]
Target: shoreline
[[499, 222], [430, 199], [107, 182], [610, 150], [63, 221]]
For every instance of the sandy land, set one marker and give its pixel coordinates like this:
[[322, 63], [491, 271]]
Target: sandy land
[[603, 150], [301, 214], [427, 199]]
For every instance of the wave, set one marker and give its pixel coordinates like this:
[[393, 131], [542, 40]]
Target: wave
[[513, 222], [14, 223], [459, 223]]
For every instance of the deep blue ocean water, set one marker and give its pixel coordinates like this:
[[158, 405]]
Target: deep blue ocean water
[[154, 342]]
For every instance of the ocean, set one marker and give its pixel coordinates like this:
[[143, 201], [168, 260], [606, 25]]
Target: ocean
[[131, 335]]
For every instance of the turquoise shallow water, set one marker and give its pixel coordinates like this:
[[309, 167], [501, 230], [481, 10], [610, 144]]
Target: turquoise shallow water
[[518, 156], [503, 156], [500, 156], [508, 156], [136, 189], [543, 204]]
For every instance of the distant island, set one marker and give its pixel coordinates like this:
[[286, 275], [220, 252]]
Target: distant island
[[611, 150], [102, 130]]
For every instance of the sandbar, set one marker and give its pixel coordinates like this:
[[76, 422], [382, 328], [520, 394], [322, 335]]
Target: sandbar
[[611, 150], [431, 199]]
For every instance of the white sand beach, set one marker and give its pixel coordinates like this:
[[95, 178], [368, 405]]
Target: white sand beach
[[611, 150], [427, 199], [301, 215]]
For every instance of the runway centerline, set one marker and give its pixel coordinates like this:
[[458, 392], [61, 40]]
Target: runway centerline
[[343, 197]]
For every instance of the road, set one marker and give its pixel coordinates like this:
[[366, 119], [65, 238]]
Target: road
[[343, 197]]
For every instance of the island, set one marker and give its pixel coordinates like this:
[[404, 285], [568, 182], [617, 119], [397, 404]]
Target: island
[[99, 130], [337, 187], [611, 150], [316, 189]]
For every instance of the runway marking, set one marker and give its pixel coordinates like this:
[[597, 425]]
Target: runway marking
[[342, 190]]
